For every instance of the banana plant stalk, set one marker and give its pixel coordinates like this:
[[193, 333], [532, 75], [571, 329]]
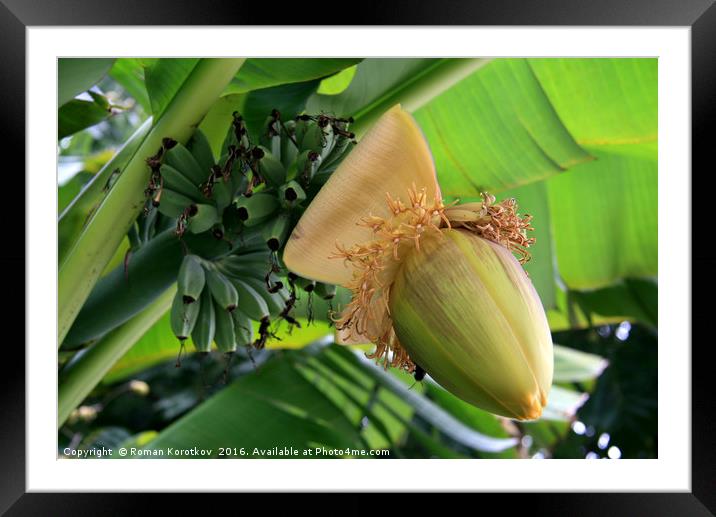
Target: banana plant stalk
[[73, 218], [112, 219], [87, 370]]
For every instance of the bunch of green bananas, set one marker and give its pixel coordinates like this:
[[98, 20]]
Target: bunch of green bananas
[[253, 184], [256, 192], [234, 216]]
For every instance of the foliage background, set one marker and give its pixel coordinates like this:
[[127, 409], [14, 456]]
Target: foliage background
[[573, 140]]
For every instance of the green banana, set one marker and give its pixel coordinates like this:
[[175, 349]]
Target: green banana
[[276, 232], [171, 203], [275, 147], [343, 146], [301, 125], [238, 125], [314, 139], [291, 194], [182, 160], [253, 268], [222, 193], [147, 223], [256, 209], [191, 278], [201, 151], [221, 289], [305, 284], [329, 140], [205, 217], [271, 168], [244, 257], [289, 151], [230, 220], [239, 181], [249, 240], [218, 230], [270, 135], [304, 167], [251, 302], [183, 317], [325, 291], [225, 336], [205, 328], [176, 181], [257, 253], [243, 328], [274, 301]]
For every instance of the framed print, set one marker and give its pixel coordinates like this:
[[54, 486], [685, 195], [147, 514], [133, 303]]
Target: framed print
[[445, 240]]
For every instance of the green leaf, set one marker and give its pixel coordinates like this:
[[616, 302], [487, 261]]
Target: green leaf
[[77, 75], [631, 299], [379, 418], [603, 101], [276, 407], [572, 365], [67, 192], [129, 73], [164, 78], [259, 73], [496, 130], [604, 217], [604, 213], [122, 294], [533, 200], [379, 84], [373, 79], [476, 418], [337, 83], [432, 413], [546, 434], [626, 300], [388, 414], [77, 115], [156, 345], [515, 122], [289, 99]]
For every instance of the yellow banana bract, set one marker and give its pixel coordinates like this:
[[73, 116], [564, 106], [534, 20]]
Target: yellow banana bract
[[467, 313], [390, 156]]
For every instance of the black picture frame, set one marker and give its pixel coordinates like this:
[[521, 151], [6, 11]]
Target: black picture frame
[[700, 15]]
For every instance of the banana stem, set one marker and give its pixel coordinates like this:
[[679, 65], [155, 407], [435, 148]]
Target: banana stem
[[87, 371], [111, 221], [73, 218], [418, 91]]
